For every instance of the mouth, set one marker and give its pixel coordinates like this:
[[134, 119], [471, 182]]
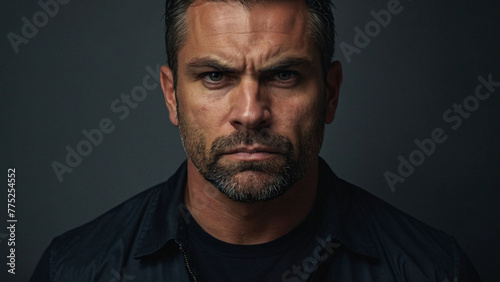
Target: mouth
[[250, 153]]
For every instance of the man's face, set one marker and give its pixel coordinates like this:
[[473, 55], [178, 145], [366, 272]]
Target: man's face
[[250, 96]]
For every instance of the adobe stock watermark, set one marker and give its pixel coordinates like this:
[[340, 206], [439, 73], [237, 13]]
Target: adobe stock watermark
[[325, 248], [94, 137], [453, 116], [30, 28], [363, 37]]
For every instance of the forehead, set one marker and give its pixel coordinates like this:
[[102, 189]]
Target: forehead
[[264, 30]]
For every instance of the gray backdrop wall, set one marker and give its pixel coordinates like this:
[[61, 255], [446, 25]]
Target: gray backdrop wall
[[64, 71]]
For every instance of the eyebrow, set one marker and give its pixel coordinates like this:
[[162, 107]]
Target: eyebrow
[[194, 66], [287, 63]]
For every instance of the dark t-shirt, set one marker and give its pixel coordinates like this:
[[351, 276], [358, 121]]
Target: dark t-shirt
[[214, 260]]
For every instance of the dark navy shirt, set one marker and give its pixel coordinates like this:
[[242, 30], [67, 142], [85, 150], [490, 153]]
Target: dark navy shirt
[[357, 237]]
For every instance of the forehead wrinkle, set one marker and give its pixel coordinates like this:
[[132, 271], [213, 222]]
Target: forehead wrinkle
[[247, 32], [243, 47], [244, 21]]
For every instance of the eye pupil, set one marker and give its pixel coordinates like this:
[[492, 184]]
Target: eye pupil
[[284, 75], [215, 76]]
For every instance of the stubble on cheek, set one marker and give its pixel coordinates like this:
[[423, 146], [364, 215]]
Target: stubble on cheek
[[193, 141]]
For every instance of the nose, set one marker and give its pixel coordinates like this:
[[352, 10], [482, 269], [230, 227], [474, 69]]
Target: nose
[[249, 106]]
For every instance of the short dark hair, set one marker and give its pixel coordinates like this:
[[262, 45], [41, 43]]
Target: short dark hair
[[321, 24]]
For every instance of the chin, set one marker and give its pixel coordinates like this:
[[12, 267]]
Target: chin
[[253, 186]]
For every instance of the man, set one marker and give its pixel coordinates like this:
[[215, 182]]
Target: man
[[250, 86]]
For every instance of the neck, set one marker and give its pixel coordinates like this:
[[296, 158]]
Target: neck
[[249, 223]]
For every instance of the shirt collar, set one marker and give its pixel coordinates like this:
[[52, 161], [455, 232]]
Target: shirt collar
[[164, 215], [344, 215], [343, 218]]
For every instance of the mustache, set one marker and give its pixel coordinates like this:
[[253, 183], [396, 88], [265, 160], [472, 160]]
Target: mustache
[[263, 137]]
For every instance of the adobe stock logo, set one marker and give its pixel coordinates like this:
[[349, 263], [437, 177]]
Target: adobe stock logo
[[453, 116], [121, 109], [324, 249], [29, 30], [363, 37]]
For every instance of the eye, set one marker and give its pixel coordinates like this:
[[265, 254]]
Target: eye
[[285, 78], [285, 75], [215, 80], [214, 76]]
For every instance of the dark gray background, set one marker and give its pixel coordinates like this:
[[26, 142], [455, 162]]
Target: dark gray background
[[396, 90]]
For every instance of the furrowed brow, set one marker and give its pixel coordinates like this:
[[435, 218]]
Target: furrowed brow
[[287, 63], [200, 64]]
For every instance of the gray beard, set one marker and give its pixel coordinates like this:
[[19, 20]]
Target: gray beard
[[275, 177]]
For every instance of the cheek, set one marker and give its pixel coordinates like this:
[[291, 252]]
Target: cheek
[[204, 117], [208, 116], [192, 106], [305, 127], [297, 117]]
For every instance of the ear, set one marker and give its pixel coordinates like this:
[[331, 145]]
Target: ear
[[333, 81], [167, 84]]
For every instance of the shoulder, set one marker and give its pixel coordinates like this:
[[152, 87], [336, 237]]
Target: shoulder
[[107, 242], [389, 224], [116, 219], [411, 247], [128, 217], [92, 243], [111, 239]]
